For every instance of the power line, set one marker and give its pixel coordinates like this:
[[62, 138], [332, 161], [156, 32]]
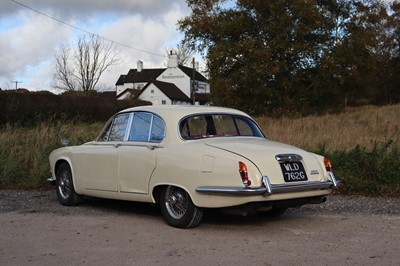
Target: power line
[[83, 30]]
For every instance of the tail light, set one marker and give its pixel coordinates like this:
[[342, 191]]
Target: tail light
[[244, 174], [328, 165]]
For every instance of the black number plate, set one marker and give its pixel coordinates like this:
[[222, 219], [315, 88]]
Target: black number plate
[[293, 171]]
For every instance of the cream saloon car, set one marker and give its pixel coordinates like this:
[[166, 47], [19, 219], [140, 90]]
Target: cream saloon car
[[187, 159]]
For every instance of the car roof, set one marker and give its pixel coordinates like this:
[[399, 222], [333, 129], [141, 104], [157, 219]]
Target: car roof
[[182, 110], [172, 114]]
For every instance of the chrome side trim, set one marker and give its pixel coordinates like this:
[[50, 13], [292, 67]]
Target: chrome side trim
[[232, 191], [268, 189]]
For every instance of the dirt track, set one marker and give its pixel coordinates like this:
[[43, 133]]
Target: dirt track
[[36, 230]]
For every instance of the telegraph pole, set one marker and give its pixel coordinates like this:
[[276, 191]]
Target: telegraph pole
[[16, 83], [193, 82]]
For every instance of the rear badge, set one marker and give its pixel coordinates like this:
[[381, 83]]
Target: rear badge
[[314, 172]]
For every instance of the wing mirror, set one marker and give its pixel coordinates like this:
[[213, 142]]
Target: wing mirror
[[64, 142]]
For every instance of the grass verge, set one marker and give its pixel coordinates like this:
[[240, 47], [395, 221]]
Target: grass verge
[[24, 151], [361, 143]]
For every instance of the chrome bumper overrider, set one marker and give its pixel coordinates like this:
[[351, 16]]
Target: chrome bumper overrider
[[268, 189], [51, 181]]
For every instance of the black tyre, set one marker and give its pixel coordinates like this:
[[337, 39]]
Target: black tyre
[[178, 209], [65, 187]]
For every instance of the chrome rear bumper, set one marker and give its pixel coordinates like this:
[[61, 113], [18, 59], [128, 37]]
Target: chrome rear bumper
[[51, 181], [268, 189]]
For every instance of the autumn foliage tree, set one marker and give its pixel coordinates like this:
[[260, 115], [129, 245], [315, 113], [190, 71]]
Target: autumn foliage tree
[[292, 56]]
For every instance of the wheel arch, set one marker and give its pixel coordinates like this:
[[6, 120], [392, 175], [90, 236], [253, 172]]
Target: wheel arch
[[57, 165], [61, 161], [156, 192]]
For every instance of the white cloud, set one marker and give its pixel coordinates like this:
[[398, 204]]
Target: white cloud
[[28, 45], [86, 8], [31, 40], [143, 34]]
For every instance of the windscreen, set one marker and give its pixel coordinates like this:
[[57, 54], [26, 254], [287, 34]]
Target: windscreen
[[218, 125]]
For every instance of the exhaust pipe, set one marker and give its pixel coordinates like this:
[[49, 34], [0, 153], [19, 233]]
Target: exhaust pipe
[[318, 200]]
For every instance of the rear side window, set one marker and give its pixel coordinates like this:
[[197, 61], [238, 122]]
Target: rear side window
[[157, 129]]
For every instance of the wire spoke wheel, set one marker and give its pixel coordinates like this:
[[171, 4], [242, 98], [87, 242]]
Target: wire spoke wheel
[[65, 184], [176, 202], [178, 209]]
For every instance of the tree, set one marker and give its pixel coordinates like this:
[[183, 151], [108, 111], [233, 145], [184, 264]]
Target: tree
[[389, 57], [80, 68], [351, 65], [287, 56], [258, 52]]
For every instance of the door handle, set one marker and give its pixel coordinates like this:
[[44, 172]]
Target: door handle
[[153, 147]]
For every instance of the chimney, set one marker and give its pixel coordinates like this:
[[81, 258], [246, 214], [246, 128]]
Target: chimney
[[139, 66], [173, 60]]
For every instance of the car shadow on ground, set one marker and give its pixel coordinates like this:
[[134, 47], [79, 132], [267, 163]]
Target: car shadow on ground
[[120, 206], [211, 216]]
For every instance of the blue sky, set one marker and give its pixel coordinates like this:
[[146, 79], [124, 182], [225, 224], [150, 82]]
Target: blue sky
[[29, 40]]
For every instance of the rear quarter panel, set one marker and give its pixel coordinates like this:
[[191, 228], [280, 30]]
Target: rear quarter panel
[[194, 164]]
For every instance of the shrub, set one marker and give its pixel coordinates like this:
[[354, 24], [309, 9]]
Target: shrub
[[29, 109], [24, 152], [368, 172]]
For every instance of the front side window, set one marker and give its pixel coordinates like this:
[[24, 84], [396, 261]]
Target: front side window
[[218, 125], [118, 128]]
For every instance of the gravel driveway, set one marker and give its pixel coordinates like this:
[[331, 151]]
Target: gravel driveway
[[36, 230]]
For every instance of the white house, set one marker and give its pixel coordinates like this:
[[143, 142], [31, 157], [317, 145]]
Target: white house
[[163, 93], [171, 85]]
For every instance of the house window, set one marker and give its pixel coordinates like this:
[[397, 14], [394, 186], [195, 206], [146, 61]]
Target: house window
[[152, 91], [163, 102]]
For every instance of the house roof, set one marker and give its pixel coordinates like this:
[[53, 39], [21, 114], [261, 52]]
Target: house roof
[[146, 75], [169, 89], [121, 80], [135, 76], [133, 92], [189, 72]]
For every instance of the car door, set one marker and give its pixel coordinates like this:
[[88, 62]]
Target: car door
[[99, 160], [137, 157]]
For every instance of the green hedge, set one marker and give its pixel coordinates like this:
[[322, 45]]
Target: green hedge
[[368, 172], [28, 108]]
